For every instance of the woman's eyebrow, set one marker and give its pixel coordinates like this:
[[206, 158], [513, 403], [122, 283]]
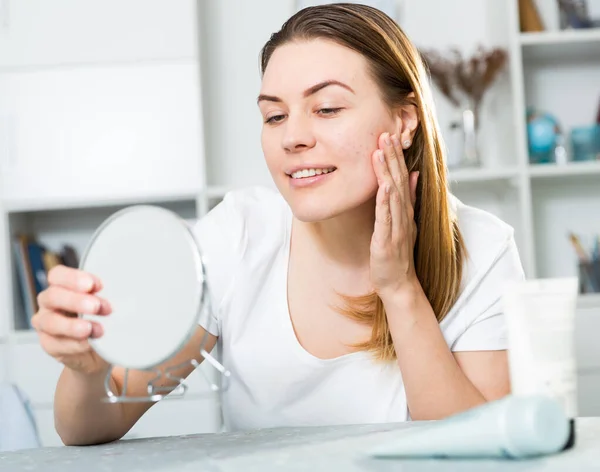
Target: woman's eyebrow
[[320, 86], [308, 92]]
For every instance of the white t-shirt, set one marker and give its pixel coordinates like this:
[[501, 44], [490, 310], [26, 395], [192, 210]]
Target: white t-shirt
[[245, 241]]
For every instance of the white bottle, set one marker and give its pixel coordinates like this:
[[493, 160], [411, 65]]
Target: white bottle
[[540, 318]]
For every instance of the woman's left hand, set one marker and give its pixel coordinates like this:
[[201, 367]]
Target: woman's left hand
[[392, 245]]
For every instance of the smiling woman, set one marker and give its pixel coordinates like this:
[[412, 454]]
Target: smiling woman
[[359, 291]]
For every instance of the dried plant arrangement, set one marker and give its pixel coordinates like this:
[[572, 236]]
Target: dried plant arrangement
[[464, 80]]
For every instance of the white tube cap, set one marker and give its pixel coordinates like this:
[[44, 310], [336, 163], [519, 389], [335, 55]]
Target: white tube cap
[[535, 426]]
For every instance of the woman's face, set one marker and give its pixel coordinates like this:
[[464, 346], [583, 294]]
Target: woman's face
[[323, 115]]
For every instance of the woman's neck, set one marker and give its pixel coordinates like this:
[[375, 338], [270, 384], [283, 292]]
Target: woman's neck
[[344, 239]]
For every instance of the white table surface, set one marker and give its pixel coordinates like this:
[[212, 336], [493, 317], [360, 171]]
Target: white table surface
[[284, 449]]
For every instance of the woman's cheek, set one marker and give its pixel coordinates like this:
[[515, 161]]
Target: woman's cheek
[[347, 140]]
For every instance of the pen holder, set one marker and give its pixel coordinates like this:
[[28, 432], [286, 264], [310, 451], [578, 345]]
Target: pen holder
[[589, 276], [585, 142]]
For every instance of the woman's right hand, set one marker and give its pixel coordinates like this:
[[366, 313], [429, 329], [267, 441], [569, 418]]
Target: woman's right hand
[[62, 334]]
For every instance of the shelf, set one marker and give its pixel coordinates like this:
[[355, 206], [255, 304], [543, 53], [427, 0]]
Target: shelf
[[219, 191], [24, 336], [589, 300], [482, 175], [581, 36], [567, 44], [34, 205], [572, 169]]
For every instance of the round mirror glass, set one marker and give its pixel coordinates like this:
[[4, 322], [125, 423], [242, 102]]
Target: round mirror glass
[[151, 270]]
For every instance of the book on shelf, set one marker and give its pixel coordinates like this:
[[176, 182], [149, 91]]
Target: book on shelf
[[33, 262]]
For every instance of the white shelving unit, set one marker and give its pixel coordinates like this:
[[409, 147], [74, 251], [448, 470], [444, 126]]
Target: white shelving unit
[[93, 119], [112, 119], [557, 72]]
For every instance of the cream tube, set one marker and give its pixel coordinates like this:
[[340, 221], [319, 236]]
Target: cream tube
[[513, 427], [540, 316]]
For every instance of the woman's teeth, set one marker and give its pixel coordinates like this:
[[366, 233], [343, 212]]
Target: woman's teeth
[[300, 174]]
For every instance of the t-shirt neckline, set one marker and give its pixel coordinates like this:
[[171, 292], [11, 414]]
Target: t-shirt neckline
[[289, 327]]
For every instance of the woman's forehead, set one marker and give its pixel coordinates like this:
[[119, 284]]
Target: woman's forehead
[[297, 66]]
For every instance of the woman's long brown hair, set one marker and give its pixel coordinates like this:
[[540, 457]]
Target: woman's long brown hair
[[397, 68]]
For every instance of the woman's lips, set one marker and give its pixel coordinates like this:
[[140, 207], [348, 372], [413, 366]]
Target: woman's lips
[[309, 181]]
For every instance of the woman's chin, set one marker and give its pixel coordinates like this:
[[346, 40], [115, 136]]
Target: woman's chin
[[311, 213], [315, 208], [308, 205]]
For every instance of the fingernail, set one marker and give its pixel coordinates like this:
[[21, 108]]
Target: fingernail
[[84, 329], [396, 140], [107, 308], [381, 156], [91, 306], [97, 330], [387, 139], [86, 284]]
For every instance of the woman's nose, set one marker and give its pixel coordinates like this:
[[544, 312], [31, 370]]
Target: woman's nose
[[298, 134]]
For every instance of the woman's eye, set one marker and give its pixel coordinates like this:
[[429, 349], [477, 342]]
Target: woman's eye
[[329, 111], [322, 111], [275, 119]]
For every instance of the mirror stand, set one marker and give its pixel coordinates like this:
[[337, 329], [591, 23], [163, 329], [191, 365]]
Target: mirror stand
[[156, 392]]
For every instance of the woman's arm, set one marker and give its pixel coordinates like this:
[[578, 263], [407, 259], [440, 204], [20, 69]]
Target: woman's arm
[[437, 382], [82, 418]]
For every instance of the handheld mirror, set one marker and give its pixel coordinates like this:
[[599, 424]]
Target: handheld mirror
[[153, 276]]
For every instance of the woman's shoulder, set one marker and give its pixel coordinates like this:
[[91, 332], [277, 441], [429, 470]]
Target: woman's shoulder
[[485, 235], [491, 262], [258, 211], [254, 199], [247, 221], [254, 215]]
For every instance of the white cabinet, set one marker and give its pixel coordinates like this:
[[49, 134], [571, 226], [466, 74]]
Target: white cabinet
[[62, 32], [588, 356], [36, 373], [588, 393], [3, 363], [6, 279], [87, 133]]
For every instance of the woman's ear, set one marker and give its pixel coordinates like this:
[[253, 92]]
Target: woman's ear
[[407, 121]]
